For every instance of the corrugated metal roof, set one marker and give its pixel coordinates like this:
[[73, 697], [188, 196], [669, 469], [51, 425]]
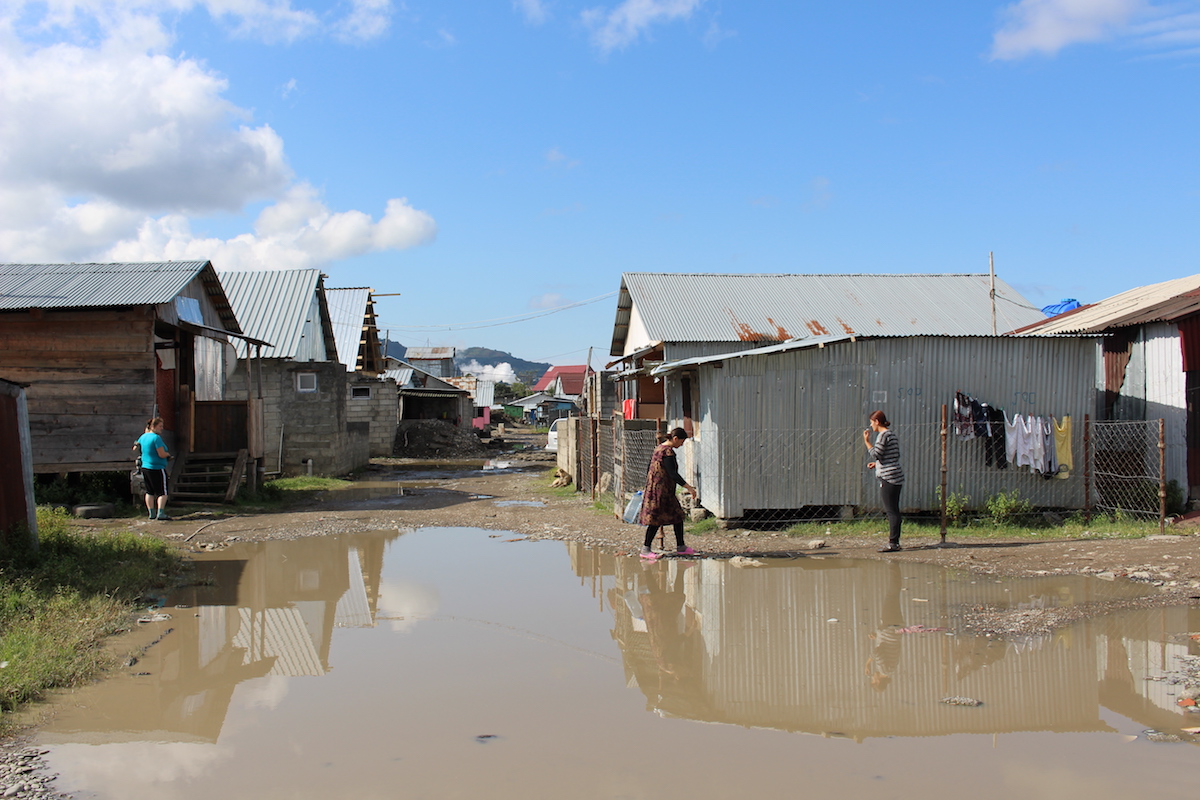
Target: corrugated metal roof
[[272, 304], [429, 353], [1158, 302], [400, 376], [91, 285], [348, 312], [685, 307]]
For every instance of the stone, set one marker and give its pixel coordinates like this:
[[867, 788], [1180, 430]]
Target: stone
[[94, 511], [816, 544]]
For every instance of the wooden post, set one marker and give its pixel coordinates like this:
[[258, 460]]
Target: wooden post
[[945, 469], [1087, 468], [595, 465], [1162, 475]]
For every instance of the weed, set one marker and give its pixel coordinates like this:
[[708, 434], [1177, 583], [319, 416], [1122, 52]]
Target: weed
[[958, 504], [1007, 508]]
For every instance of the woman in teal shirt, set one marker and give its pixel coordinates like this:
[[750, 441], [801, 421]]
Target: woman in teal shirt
[[154, 467]]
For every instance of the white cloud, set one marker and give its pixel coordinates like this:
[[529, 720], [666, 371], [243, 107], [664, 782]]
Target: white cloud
[[821, 194], [108, 148], [485, 372], [548, 300], [556, 157], [534, 11], [298, 231], [619, 27], [367, 20], [1047, 26]]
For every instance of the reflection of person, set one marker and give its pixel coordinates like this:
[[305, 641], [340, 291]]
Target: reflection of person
[[885, 641], [886, 452], [660, 506], [154, 467], [675, 639]]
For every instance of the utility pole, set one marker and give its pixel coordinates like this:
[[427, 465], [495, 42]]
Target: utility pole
[[992, 293]]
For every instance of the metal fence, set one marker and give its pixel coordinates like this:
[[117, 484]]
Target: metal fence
[[782, 476]]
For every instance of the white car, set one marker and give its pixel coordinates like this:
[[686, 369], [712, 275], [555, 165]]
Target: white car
[[552, 437]]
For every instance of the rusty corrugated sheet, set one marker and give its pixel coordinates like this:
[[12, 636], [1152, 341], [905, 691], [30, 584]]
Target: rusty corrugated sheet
[[760, 309]]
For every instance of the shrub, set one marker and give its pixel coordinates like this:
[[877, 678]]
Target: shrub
[[958, 504], [1008, 508]]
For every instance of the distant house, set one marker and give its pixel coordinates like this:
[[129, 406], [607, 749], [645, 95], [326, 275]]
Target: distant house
[[435, 361], [302, 388], [483, 395], [1147, 363], [563, 381], [104, 347], [372, 401], [667, 317], [425, 396]]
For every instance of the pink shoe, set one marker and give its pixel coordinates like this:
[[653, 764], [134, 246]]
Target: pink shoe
[[651, 556], [687, 551]]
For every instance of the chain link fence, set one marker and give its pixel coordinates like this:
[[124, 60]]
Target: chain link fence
[[772, 478]]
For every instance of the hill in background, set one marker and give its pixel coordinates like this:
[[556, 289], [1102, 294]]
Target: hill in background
[[527, 372]]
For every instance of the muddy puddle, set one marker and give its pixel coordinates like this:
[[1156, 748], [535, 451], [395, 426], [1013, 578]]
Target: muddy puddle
[[450, 663]]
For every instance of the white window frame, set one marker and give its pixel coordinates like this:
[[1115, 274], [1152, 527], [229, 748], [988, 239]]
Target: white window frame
[[304, 386]]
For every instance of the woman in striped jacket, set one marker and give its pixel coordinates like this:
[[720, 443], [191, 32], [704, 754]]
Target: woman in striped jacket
[[886, 452]]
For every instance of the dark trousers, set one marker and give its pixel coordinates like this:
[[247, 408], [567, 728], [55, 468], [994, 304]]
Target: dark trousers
[[652, 531], [890, 493]]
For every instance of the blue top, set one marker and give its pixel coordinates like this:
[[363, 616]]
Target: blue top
[[150, 442]]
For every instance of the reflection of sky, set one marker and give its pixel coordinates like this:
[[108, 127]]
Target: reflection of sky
[[130, 769], [403, 603]]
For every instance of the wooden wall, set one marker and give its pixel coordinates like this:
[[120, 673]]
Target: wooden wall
[[91, 382]]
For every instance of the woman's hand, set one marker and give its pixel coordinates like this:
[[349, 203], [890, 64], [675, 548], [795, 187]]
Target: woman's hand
[[867, 438], [870, 465]]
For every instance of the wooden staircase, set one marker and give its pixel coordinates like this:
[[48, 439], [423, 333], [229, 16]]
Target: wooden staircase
[[209, 477]]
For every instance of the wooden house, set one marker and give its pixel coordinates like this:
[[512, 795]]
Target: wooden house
[[104, 347]]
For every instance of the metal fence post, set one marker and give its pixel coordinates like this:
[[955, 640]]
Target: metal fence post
[[1087, 468], [945, 469], [1162, 475]]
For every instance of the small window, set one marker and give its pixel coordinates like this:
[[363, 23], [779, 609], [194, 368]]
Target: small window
[[363, 392], [306, 381]]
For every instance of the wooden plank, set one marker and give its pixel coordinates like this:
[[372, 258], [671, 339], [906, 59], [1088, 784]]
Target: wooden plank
[[235, 479]]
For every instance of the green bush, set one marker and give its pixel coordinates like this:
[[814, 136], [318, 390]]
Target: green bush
[[1007, 508], [958, 506]]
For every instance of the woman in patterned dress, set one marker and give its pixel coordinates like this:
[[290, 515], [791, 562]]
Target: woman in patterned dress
[[659, 505]]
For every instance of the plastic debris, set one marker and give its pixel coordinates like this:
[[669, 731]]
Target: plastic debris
[[962, 701]]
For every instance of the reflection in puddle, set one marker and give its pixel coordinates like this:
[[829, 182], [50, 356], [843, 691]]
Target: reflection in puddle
[[353, 665]]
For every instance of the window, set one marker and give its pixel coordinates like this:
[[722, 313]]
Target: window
[[306, 382], [363, 392]]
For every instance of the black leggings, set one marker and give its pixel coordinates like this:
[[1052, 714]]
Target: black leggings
[[890, 493], [652, 531]]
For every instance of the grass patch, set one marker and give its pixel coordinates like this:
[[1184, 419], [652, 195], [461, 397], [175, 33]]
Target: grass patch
[[57, 605], [706, 525], [985, 528]]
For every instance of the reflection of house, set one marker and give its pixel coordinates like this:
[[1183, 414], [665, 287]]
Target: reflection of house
[[271, 610], [1147, 365], [436, 361], [425, 396], [372, 401], [302, 386], [104, 347], [835, 647]]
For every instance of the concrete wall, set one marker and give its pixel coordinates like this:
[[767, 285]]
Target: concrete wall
[[301, 425], [380, 412]]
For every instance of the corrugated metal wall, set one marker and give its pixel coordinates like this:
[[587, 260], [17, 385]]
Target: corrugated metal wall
[[784, 431], [1165, 393]]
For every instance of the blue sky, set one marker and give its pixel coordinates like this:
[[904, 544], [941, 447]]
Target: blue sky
[[495, 160]]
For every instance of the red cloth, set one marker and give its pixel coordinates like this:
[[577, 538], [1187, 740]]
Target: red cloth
[[630, 408]]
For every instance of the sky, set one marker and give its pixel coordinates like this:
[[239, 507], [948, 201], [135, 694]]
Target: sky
[[492, 167]]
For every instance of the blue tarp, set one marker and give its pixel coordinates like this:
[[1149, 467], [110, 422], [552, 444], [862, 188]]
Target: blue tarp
[[1060, 307]]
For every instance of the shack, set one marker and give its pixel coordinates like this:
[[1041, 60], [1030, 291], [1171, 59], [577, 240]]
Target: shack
[[1147, 364], [778, 429], [301, 385], [103, 347], [372, 402]]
